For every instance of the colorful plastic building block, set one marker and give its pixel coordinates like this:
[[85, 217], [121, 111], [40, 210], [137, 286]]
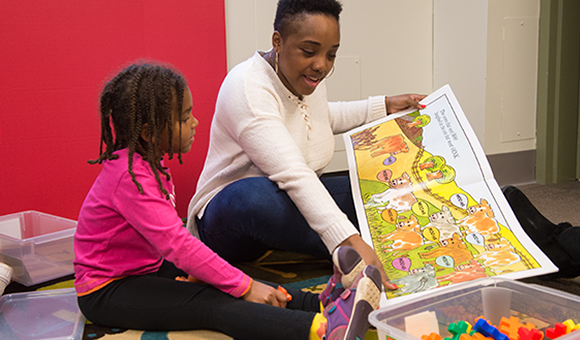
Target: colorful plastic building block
[[483, 317], [457, 329], [530, 334], [571, 326], [511, 326], [432, 336], [509, 329], [483, 327], [558, 330], [474, 336]]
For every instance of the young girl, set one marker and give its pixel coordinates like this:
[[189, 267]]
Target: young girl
[[130, 244]]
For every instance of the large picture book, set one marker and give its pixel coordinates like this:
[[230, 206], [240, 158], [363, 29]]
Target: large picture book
[[427, 202]]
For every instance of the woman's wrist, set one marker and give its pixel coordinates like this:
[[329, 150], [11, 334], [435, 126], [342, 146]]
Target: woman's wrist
[[387, 105]]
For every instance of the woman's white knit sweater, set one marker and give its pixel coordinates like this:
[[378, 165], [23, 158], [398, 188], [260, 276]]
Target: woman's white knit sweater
[[261, 129]]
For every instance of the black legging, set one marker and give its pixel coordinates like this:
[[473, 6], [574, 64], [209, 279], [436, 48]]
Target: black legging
[[158, 302]]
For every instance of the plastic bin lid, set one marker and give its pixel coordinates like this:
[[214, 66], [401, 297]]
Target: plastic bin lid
[[51, 314]]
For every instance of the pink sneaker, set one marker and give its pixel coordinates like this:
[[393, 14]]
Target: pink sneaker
[[347, 265], [347, 317]]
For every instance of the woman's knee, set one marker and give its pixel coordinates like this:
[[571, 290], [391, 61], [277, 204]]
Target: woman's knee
[[254, 198]]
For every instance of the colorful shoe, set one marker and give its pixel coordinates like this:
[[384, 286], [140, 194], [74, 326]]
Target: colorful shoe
[[347, 317], [347, 265]]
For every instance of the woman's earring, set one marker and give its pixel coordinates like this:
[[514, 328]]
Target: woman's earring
[[276, 62], [330, 73]]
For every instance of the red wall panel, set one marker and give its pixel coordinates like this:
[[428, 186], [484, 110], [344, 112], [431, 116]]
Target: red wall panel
[[54, 59]]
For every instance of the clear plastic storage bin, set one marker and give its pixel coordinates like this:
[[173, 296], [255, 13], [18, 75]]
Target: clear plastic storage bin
[[51, 314], [492, 298], [38, 246]]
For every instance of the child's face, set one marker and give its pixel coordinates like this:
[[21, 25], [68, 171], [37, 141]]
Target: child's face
[[181, 143]]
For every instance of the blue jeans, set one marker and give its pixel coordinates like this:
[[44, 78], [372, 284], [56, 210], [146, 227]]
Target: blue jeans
[[157, 302], [252, 215]]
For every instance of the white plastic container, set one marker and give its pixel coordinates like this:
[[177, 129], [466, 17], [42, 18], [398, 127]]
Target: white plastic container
[[5, 276], [490, 297], [38, 246], [43, 315]]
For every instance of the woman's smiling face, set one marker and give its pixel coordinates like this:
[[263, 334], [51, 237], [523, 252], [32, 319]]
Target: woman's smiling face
[[306, 55]]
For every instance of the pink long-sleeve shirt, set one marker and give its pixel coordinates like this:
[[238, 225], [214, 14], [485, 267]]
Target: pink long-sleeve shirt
[[122, 232]]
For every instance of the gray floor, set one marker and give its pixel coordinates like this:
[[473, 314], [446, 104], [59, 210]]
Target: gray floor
[[559, 203]]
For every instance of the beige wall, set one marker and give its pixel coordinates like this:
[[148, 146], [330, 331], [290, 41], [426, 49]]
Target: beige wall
[[393, 46], [512, 64], [459, 55]]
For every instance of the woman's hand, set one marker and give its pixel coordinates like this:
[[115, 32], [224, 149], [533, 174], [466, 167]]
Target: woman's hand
[[369, 256], [262, 293], [403, 102]]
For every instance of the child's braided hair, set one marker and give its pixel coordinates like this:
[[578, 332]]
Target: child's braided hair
[[140, 94]]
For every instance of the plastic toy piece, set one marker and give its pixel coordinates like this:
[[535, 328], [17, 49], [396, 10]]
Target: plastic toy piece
[[558, 330], [530, 334], [571, 326], [479, 336], [187, 279], [459, 328], [432, 336], [511, 326], [474, 336], [483, 327], [421, 323], [483, 317], [283, 290]]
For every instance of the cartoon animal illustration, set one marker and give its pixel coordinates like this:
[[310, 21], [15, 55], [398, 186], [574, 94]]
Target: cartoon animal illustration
[[483, 206], [443, 175], [444, 222], [498, 253], [433, 163], [364, 139], [418, 280], [406, 237], [453, 247], [480, 219], [391, 145], [464, 272], [398, 196], [420, 121]]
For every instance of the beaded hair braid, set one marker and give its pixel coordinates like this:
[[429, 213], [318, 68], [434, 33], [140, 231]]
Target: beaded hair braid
[[140, 94]]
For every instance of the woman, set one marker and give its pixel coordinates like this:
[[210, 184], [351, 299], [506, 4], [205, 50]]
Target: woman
[[272, 136]]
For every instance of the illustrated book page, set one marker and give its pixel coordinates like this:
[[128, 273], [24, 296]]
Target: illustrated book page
[[427, 202]]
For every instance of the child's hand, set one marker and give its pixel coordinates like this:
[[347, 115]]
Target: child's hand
[[262, 293], [285, 292]]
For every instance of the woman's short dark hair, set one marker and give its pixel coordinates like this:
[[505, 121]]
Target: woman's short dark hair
[[289, 10]]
